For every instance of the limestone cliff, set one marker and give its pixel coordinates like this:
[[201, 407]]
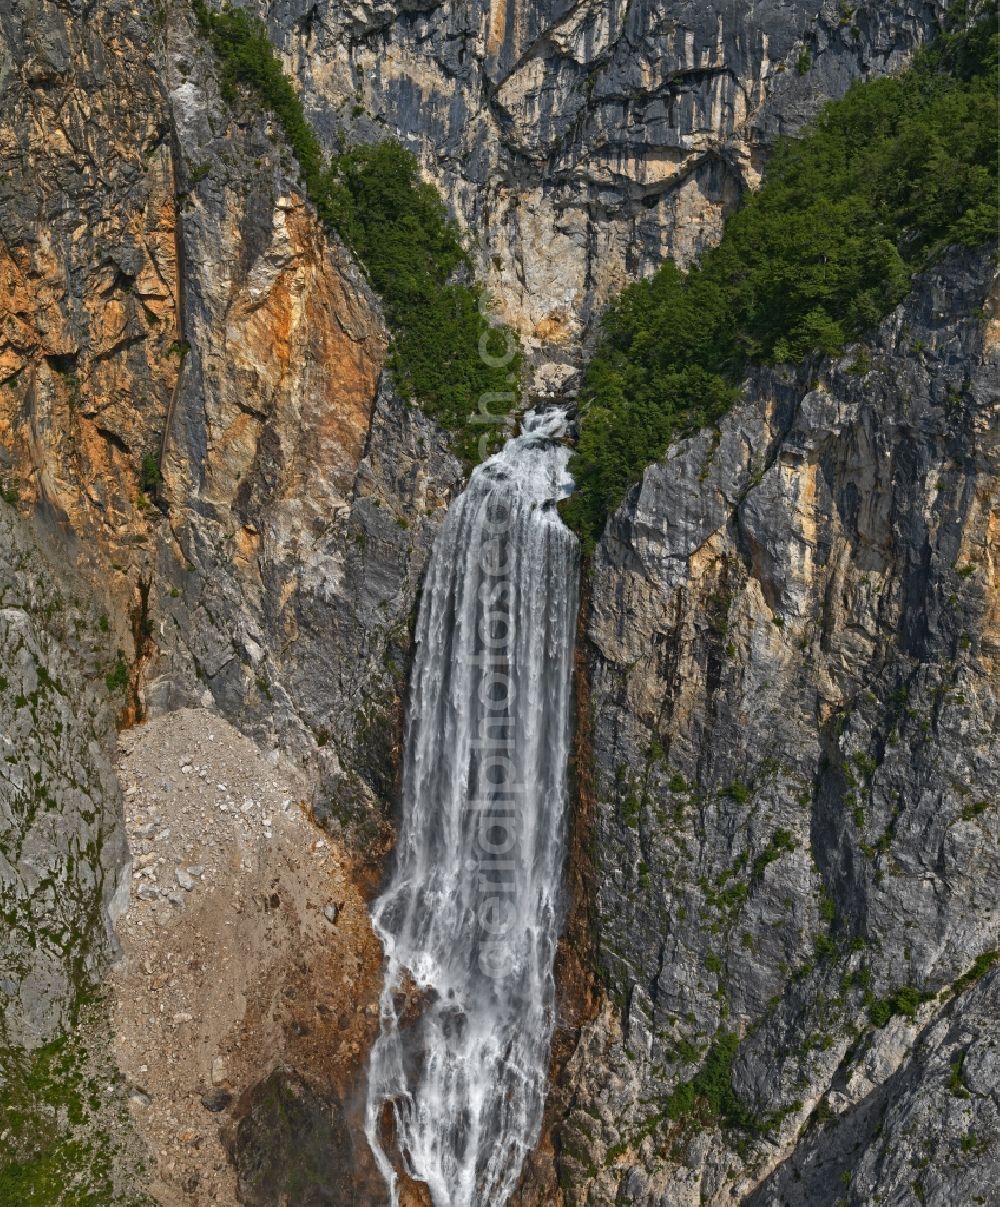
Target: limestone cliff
[[298, 493], [787, 845], [192, 383], [793, 711], [194, 424], [580, 142]]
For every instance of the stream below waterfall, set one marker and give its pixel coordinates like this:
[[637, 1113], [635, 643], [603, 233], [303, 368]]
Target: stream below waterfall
[[470, 919]]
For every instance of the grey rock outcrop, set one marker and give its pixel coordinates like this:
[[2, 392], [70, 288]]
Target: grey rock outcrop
[[927, 1133], [62, 845], [794, 695]]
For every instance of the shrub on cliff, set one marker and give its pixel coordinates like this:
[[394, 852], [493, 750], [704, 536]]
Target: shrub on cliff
[[399, 230], [884, 180], [712, 1087]]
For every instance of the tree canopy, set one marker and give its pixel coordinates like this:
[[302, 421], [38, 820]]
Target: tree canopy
[[884, 179], [400, 231]]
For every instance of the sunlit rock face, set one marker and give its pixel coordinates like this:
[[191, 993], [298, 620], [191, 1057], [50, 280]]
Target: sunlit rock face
[[193, 386], [581, 143], [211, 494]]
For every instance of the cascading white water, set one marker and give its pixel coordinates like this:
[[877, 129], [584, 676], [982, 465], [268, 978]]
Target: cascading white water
[[471, 917]]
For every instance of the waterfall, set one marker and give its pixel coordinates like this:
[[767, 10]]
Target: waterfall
[[471, 916]]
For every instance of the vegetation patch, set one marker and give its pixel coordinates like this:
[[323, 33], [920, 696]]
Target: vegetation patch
[[399, 230], [978, 970], [57, 1149], [904, 1002], [150, 476], [885, 179], [711, 1088], [117, 678], [976, 809], [780, 843]]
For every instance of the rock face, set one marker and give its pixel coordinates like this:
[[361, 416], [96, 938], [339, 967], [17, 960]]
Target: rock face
[[300, 494], [62, 845], [88, 266], [793, 708], [193, 384], [193, 415], [935, 1117], [582, 142]]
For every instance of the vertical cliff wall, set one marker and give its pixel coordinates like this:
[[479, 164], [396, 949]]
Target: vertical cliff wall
[[195, 423], [794, 702], [193, 384], [87, 276], [581, 143], [299, 494]]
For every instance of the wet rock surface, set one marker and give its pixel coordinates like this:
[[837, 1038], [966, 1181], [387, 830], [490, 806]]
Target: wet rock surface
[[291, 1146]]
